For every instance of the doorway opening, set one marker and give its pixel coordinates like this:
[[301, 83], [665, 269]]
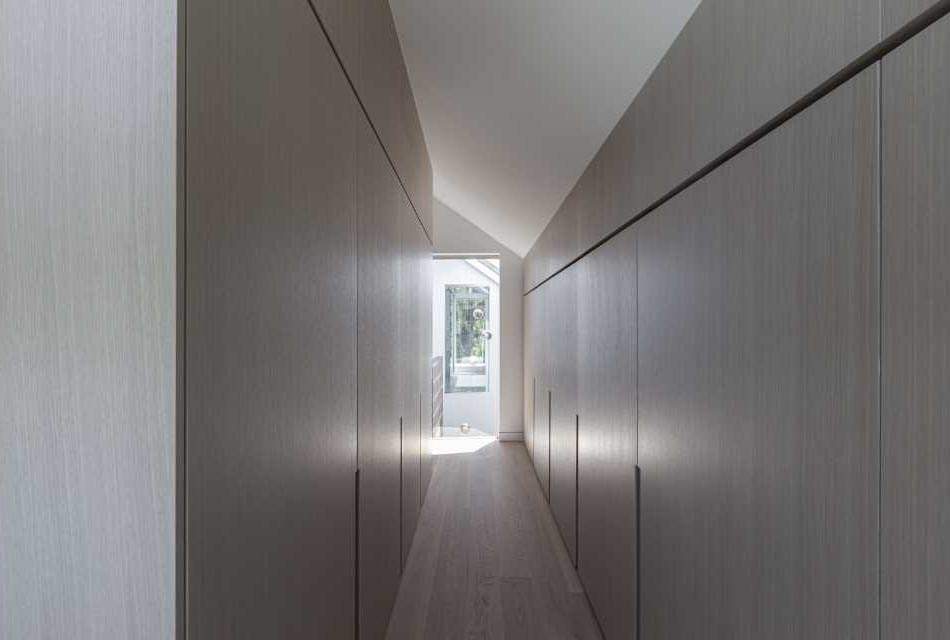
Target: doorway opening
[[466, 327]]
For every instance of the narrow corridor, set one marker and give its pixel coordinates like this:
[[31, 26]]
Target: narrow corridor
[[487, 560]]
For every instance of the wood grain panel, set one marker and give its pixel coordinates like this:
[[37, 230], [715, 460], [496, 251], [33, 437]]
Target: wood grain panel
[[365, 37], [88, 309], [735, 65], [916, 359], [529, 333], [607, 446], [381, 205], [408, 373], [897, 13], [758, 388], [542, 390], [562, 321], [383, 85], [342, 20], [424, 255], [271, 337]]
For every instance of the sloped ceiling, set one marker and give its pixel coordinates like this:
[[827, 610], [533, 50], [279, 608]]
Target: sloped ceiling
[[516, 96]]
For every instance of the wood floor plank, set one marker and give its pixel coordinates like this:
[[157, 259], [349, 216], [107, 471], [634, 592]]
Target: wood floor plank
[[487, 560]]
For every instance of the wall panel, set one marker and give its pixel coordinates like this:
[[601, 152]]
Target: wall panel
[[916, 359], [424, 301], [542, 390], [735, 65], [88, 309], [607, 446], [270, 364], [364, 35], [383, 86], [381, 205], [342, 20], [562, 322], [897, 13], [758, 388], [529, 331], [408, 374]]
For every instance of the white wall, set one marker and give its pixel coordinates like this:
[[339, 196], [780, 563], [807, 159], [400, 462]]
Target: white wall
[[481, 410], [454, 234]]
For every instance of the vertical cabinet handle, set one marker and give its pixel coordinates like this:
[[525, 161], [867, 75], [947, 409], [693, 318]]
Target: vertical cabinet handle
[[577, 490], [549, 446], [637, 493]]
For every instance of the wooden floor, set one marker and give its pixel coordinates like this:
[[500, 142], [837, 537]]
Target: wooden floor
[[487, 560]]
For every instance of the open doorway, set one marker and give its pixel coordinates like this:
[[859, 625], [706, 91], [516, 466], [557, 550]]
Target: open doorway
[[466, 342]]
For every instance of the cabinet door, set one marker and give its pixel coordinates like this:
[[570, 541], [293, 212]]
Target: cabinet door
[[735, 65], [897, 13], [408, 373], [563, 349], [607, 442], [271, 344], [916, 299], [758, 388], [384, 88], [542, 399], [425, 355], [380, 448], [530, 370], [342, 21]]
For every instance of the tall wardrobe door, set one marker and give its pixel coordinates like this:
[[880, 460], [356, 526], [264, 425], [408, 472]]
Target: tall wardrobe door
[[916, 362], [380, 210], [408, 374], [530, 371], [563, 345], [758, 388], [543, 394], [607, 438], [425, 327], [270, 359]]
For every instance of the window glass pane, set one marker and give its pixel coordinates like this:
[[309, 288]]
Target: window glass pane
[[466, 346]]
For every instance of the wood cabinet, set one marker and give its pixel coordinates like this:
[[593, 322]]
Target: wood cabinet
[[423, 254], [540, 442], [897, 13], [530, 332], [270, 340], [735, 65], [758, 388], [379, 352], [383, 86], [408, 376], [201, 358], [394, 341], [364, 36], [916, 338], [342, 20], [607, 437], [562, 322]]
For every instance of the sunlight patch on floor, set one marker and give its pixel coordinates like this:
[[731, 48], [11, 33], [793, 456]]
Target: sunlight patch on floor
[[449, 446]]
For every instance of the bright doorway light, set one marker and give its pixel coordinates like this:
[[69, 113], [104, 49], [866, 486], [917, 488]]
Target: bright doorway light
[[450, 446]]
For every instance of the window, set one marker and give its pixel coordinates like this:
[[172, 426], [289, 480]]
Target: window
[[466, 339]]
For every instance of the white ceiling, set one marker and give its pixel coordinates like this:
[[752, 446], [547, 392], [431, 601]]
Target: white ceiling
[[516, 96]]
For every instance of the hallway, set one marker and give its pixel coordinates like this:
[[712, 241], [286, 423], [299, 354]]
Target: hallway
[[438, 319], [487, 560]]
